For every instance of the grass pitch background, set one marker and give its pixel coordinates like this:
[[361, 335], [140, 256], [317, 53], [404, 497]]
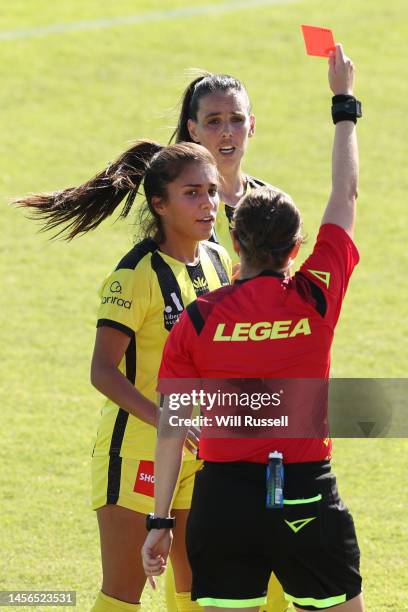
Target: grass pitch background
[[70, 102]]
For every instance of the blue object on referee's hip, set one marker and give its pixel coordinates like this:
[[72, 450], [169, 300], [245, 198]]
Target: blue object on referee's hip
[[274, 480]]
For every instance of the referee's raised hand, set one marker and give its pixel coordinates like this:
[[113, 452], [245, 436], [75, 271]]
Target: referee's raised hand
[[346, 109], [341, 72]]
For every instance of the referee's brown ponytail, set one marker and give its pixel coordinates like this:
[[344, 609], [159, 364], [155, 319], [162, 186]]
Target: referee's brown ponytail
[[81, 209], [204, 85]]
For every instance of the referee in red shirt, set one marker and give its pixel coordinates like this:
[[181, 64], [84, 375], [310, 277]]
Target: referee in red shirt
[[268, 325]]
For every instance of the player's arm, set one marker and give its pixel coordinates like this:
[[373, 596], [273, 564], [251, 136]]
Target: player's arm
[[110, 347], [341, 207]]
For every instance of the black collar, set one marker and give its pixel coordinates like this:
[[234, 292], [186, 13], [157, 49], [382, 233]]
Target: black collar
[[263, 273]]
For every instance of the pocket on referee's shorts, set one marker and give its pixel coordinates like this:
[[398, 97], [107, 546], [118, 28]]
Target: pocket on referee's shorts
[[339, 525], [301, 522]]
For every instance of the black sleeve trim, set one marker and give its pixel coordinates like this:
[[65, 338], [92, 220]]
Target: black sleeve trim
[[136, 254], [195, 317], [119, 326], [255, 182], [318, 296]]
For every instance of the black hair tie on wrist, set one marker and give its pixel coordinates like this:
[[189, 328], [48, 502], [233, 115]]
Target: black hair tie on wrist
[[345, 108]]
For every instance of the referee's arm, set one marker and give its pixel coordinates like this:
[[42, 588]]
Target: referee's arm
[[169, 455], [341, 207]]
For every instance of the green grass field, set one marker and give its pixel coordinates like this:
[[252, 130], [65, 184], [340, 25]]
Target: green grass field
[[70, 102]]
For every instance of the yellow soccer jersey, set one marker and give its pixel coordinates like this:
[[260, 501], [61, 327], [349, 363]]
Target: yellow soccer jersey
[[222, 230], [143, 298]]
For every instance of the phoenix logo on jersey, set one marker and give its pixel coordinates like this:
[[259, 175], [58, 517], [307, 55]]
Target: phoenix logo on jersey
[[200, 285], [264, 330]]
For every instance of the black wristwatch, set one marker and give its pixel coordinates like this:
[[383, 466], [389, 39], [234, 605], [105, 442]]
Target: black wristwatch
[[153, 522], [345, 108]]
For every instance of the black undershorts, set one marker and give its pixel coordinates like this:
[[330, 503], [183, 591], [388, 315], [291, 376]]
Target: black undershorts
[[234, 542]]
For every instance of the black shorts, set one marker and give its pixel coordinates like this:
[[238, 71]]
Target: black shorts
[[234, 542]]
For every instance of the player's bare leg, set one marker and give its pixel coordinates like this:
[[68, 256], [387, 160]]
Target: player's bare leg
[[122, 532]]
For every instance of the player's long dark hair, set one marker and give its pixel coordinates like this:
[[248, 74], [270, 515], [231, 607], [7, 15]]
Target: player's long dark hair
[[268, 225], [203, 85], [81, 209]]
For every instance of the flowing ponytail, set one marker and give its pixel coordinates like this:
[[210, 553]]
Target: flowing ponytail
[[81, 209]]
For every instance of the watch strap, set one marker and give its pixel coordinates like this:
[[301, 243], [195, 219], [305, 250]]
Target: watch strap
[[156, 522], [345, 108]]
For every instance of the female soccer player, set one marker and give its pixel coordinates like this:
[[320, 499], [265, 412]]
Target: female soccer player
[[268, 325], [140, 302], [216, 112]]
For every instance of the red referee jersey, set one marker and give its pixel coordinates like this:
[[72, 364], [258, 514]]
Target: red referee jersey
[[266, 327]]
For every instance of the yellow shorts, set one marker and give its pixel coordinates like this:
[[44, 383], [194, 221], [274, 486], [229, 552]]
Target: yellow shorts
[[130, 483]]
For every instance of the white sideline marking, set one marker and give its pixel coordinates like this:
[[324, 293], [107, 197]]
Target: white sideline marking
[[97, 24]]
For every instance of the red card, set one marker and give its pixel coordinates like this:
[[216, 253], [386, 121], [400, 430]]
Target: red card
[[318, 41]]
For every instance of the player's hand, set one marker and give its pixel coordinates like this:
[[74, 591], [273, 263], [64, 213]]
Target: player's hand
[[155, 552], [341, 72], [192, 439]]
